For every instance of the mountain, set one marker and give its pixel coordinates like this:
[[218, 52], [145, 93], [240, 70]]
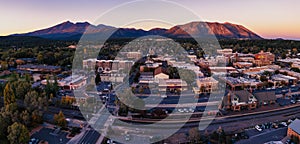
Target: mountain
[[205, 29], [73, 31], [68, 31]]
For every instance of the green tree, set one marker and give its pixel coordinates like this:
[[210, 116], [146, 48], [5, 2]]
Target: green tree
[[55, 87], [40, 58], [97, 79], [34, 101], [194, 135], [21, 88], [25, 117], [2, 86], [4, 65], [3, 127], [60, 120], [51, 87], [263, 78], [48, 87], [9, 95], [27, 78], [14, 77], [18, 134]]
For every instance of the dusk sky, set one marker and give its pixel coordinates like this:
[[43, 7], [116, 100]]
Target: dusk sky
[[268, 18]]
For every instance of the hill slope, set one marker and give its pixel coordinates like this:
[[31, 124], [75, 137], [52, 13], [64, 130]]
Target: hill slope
[[73, 31]]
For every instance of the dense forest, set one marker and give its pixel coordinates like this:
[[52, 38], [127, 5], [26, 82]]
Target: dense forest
[[57, 52]]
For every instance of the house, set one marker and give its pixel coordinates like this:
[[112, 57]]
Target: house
[[37, 77], [294, 129], [5, 73], [239, 100], [160, 75], [266, 97]]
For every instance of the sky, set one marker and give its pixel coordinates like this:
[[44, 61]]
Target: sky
[[267, 18]]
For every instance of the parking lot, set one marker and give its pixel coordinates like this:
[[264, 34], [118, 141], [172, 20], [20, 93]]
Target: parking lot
[[265, 136], [48, 135]]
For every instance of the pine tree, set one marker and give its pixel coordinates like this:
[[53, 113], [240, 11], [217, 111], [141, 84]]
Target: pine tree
[[18, 134], [60, 119], [97, 79], [9, 95]]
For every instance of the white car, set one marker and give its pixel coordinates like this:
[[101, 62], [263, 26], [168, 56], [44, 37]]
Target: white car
[[191, 109], [186, 110], [293, 101], [164, 96], [284, 124], [127, 137], [180, 110], [257, 127]]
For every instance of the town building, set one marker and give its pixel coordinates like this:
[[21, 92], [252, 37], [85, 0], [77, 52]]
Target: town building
[[39, 68], [294, 129], [243, 64], [291, 73], [160, 75], [222, 69], [107, 65], [205, 85], [110, 76], [72, 82], [172, 85], [279, 78], [265, 97], [239, 100], [241, 82], [133, 55], [264, 58], [224, 51], [69, 83]]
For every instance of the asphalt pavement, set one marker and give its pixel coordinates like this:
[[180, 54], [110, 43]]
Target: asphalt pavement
[[273, 135]]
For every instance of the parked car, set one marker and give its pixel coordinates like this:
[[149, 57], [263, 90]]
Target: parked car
[[164, 96], [180, 110], [191, 109], [284, 123], [257, 127], [244, 135], [127, 137], [186, 110], [275, 125], [293, 101]]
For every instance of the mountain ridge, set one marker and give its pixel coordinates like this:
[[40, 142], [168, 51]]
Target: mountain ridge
[[69, 30]]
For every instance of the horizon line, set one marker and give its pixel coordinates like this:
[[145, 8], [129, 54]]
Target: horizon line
[[148, 29]]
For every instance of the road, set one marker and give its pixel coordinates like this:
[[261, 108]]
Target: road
[[89, 137], [230, 124]]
